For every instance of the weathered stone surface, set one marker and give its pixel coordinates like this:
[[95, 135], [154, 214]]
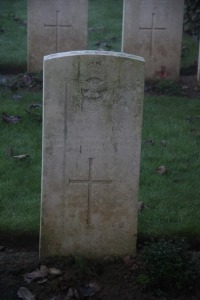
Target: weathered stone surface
[[153, 30], [91, 153], [55, 26]]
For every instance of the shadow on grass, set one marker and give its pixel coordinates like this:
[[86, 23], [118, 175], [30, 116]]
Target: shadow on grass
[[12, 69], [28, 241], [192, 240]]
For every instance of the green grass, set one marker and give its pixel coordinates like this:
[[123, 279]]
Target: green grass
[[13, 50], [105, 24], [20, 180], [172, 199], [190, 48]]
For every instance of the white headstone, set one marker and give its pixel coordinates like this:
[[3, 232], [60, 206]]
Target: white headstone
[[91, 153], [55, 26], [153, 30]]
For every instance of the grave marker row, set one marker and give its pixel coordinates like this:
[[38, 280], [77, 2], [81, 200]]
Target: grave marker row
[[151, 29]]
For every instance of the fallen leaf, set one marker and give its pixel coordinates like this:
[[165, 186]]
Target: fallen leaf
[[150, 142], [35, 110], [16, 97], [10, 119], [161, 170], [25, 294], [39, 273], [135, 267], [36, 105], [54, 271], [190, 119], [42, 281], [72, 293], [27, 79], [163, 143], [96, 286], [193, 129], [89, 290], [193, 118], [21, 156]]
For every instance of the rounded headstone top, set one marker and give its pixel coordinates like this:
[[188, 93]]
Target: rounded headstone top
[[92, 53]]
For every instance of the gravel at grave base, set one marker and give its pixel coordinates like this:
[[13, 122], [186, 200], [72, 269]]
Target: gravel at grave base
[[117, 278]]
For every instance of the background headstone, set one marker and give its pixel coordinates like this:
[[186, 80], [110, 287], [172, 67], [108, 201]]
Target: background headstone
[[55, 26], [153, 30], [91, 153]]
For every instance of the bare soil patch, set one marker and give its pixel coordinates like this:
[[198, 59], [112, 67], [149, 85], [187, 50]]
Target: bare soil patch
[[108, 279]]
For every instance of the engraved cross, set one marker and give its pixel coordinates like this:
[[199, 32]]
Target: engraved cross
[[57, 26], [152, 28], [90, 181]]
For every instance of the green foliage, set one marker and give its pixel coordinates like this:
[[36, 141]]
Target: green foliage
[[189, 55], [168, 265], [192, 17], [20, 179], [105, 24], [82, 264], [85, 268], [144, 281], [172, 200], [13, 36], [168, 87]]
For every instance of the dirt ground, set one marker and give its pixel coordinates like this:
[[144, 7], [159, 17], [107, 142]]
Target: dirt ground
[[71, 278], [107, 280]]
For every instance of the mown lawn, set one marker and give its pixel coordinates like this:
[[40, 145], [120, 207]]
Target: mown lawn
[[171, 136]]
